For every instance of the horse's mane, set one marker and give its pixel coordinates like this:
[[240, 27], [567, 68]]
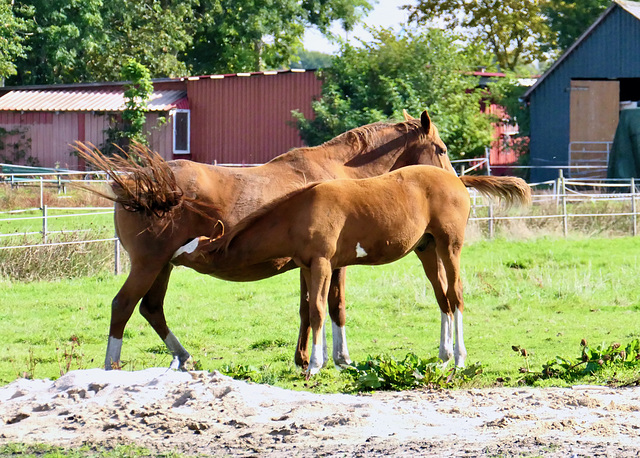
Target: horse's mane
[[364, 138], [224, 240], [368, 137]]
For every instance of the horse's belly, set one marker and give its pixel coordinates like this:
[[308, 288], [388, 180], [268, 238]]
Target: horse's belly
[[251, 272]]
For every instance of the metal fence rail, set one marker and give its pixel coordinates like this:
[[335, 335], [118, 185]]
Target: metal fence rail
[[561, 196]]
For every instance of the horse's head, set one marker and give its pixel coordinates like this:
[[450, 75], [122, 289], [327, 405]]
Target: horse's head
[[424, 145]]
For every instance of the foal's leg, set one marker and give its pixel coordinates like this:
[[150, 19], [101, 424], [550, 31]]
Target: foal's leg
[[449, 253], [337, 306], [337, 311], [135, 286], [434, 270], [318, 278], [152, 308]]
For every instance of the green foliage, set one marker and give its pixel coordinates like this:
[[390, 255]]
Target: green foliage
[[511, 30], [136, 96], [413, 71], [83, 451], [590, 361], [384, 372], [130, 127], [14, 145], [64, 38], [12, 37], [236, 36], [568, 19], [311, 60]]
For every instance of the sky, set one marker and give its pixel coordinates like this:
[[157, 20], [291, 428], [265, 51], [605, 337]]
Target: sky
[[386, 13]]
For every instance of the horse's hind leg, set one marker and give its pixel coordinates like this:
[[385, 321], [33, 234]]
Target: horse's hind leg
[[302, 349], [449, 249], [152, 309], [337, 311], [434, 270], [135, 286], [318, 278]]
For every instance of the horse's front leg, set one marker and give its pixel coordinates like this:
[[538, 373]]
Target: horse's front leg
[[137, 284], [337, 311], [318, 278], [152, 309]]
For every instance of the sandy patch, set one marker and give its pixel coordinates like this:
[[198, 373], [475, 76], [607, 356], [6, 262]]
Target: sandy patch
[[199, 412]]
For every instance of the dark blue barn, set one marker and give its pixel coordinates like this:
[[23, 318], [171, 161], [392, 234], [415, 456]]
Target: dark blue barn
[[575, 105]]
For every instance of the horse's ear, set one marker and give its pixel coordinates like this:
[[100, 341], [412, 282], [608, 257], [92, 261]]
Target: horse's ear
[[426, 121], [407, 116]]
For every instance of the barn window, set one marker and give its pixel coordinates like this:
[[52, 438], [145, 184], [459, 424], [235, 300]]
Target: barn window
[[181, 126]]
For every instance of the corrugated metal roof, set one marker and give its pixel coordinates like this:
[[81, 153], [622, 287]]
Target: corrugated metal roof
[[85, 100], [632, 8]]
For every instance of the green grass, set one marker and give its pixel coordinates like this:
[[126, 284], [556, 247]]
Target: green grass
[[49, 451], [544, 295]]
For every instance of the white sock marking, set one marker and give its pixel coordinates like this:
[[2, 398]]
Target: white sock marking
[[315, 362], [186, 248], [340, 351], [446, 337], [460, 350], [360, 252], [114, 347]]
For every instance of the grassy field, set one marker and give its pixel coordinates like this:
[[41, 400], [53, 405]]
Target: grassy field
[[543, 294]]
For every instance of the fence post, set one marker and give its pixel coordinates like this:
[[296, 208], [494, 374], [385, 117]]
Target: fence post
[[117, 256], [41, 192], [487, 153], [563, 198], [634, 216], [490, 210], [44, 224]]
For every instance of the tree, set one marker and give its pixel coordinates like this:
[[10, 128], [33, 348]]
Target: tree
[[514, 31], [568, 19], [12, 37], [252, 35], [155, 33], [311, 60], [412, 71], [63, 37]]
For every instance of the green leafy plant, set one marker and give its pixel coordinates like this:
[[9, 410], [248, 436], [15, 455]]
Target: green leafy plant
[[385, 372], [242, 372], [590, 361]]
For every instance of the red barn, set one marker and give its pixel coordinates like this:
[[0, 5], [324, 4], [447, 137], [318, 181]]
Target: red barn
[[237, 118]]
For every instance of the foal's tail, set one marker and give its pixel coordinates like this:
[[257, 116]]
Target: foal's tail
[[512, 190]]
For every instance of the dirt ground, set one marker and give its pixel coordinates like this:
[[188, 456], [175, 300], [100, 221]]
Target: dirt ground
[[208, 413]]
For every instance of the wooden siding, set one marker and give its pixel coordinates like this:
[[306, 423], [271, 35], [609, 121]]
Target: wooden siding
[[52, 134], [236, 120], [611, 51]]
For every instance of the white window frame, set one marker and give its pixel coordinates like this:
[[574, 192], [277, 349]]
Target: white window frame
[[173, 120]]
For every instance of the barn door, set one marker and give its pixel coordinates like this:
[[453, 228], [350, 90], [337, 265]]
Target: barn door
[[595, 107]]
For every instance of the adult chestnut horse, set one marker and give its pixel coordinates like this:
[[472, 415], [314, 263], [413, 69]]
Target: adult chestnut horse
[[331, 225], [161, 205]]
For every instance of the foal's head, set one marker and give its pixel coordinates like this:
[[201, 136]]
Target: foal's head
[[424, 145]]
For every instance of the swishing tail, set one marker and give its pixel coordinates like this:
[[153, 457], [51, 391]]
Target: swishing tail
[[142, 182], [512, 190]]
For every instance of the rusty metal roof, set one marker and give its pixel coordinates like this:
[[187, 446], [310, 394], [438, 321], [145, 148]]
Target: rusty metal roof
[[85, 100]]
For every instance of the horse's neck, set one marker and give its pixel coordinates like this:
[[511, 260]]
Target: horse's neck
[[353, 162]]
